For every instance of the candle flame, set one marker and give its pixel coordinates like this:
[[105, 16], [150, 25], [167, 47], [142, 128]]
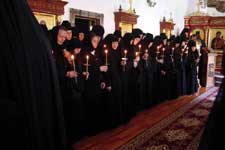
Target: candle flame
[[146, 51], [106, 51], [136, 53], [72, 57], [140, 46], [125, 51], [87, 57], [104, 46]]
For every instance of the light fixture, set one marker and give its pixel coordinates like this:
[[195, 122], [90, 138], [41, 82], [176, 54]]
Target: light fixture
[[151, 3]]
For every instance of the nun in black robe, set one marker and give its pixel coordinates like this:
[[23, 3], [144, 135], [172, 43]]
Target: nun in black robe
[[146, 74], [172, 74], [191, 69], [135, 71], [163, 74], [127, 64], [113, 82], [30, 99], [74, 108], [180, 58], [92, 85], [202, 73], [156, 54]]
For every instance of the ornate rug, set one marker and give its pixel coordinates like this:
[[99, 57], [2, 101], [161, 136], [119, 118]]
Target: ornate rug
[[179, 131]]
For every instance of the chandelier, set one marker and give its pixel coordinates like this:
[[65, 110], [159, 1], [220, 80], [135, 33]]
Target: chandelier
[[151, 3]]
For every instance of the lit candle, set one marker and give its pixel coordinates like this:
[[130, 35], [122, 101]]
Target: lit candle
[[146, 51], [74, 66], [72, 58], [104, 46], [106, 57], [163, 55], [146, 61], [87, 63], [125, 54], [124, 59], [136, 53], [139, 48]]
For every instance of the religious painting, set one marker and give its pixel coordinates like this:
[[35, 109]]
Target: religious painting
[[201, 31], [126, 28], [212, 35]]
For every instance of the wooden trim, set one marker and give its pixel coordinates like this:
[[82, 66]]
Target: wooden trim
[[55, 7], [124, 17]]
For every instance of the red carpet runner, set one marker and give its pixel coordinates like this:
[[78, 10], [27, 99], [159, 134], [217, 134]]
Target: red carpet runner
[[179, 131]]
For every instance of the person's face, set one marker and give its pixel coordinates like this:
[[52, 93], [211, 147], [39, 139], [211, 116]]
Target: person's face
[[183, 43], [136, 41], [218, 35], [186, 34], [77, 51], [95, 41], [69, 35], [177, 44], [81, 36], [115, 45], [193, 48], [61, 37], [194, 38]]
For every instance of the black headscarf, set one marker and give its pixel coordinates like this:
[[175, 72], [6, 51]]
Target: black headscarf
[[28, 83]]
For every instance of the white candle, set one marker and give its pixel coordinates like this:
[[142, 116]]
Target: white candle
[[72, 58], [125, 54], [87, 63], [139, 49], [74, 66], [106, 57]]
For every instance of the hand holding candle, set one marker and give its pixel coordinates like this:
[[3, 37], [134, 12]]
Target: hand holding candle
[[124, 59], [125, 55]]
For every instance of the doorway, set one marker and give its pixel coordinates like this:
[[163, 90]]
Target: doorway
[[85, 24]]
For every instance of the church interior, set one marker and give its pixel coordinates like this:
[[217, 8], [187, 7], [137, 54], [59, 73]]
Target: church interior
[[112, 75]]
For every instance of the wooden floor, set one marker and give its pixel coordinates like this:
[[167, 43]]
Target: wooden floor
[[113, 139]]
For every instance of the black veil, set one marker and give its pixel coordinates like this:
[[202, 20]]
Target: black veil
[[31, 116]]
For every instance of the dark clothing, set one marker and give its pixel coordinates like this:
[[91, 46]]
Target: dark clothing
[[202, 73], [30, 99], [214, 130], [191, 70], [180, 60]]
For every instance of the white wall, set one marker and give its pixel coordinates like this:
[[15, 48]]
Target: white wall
[[149, 17]]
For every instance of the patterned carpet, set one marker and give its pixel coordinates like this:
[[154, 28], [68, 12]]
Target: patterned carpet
[[179, 131]]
